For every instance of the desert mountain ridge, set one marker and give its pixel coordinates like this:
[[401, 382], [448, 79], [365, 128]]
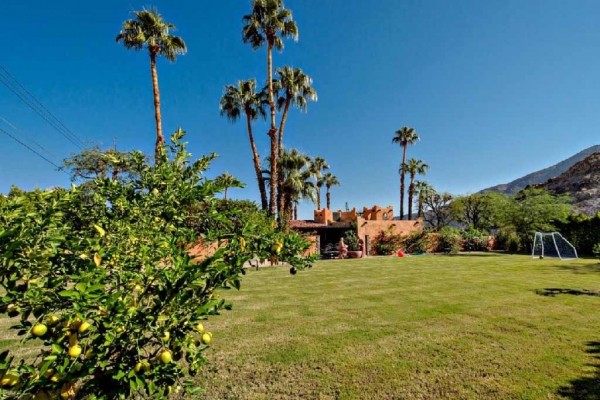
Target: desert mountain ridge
[[543, 175]]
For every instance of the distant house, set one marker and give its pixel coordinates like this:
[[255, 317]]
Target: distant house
[[329, 226]]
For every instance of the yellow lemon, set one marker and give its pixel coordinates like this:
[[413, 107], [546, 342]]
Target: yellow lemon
[[207, 338], [52, 320], [166, 356], [84, 327], [39, 330], [166, 336], [199, 327], [75, 351]]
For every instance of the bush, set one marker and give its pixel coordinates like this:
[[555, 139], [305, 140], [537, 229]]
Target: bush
[[103, 286], [386, 243], [449, 240], [508, 240], [351, 240], [596, 250], [417, 242], [474, 240]]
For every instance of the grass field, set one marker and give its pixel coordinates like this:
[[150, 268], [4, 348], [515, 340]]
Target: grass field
[[480, 326]]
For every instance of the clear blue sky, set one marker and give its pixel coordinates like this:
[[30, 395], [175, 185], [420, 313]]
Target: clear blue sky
[[496, 89]]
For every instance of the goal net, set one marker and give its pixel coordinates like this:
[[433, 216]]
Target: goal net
[[552, 244]]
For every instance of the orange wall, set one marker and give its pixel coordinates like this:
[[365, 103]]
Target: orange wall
[[373, 228]]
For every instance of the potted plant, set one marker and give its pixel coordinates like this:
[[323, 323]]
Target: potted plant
[[351, 240]]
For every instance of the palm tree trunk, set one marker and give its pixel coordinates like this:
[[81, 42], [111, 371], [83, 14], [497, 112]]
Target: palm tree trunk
[[257, 169], [420, 210], [280, 201], [160, 139], [411, 192], [272, 132], [225, 193], [328, 199], [296, 211], [402, 183], [318, 197]]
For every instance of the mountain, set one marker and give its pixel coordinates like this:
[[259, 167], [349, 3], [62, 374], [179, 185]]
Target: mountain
[[582, 183], [542, 176]]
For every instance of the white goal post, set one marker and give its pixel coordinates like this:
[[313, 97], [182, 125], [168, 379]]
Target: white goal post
[[552, 244]]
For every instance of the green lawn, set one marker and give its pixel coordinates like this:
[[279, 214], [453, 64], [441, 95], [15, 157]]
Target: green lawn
[[425, 327]]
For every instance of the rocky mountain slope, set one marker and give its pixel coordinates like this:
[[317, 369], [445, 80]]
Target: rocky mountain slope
[[541, 176], [582, 183]]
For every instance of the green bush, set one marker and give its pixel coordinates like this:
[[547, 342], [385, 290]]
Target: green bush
[[582, 231], [417, 242], [474, 240], [449, 240], [104, 287], [508, 240], [351, 240], [596, 250], [386, 243]]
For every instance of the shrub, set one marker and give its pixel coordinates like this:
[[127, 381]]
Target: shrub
[[449, 240], [596, 250], [386, 243], [508, 240], [351, 240], [103, 286], [474, 240], [417, 242]]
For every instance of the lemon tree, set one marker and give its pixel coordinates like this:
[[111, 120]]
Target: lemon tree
[[99, 278]]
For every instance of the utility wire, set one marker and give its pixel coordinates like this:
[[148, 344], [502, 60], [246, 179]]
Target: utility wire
[[32, 150], [48, 152], [12, 84]]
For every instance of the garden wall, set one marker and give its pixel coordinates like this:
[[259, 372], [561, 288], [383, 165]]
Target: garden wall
[[396, 227]]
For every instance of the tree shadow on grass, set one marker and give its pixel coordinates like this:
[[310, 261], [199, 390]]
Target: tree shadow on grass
[[585, 388], [551, 292], [580, 268]]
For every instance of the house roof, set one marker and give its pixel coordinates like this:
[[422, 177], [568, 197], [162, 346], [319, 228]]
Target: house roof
[[311, 224]]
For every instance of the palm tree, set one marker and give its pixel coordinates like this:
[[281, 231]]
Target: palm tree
[[317, 166], [269, 22], [305, 189], [226, 181], [149, 30], [404, 137], [243, 98], [330, 180], [421, 188], [297, 182], [296, 90], [413, 167]]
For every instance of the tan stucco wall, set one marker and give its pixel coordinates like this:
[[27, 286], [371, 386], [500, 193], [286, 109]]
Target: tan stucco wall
[[373, 228]]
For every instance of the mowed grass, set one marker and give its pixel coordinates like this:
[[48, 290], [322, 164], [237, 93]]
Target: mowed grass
[[425, 327]]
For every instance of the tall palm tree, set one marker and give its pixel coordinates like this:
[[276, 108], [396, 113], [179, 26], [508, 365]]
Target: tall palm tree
[[330, 180], [305, 189], [149, 30], [317, 166], [296, 90], [270, 22], [404, 137], [421, 188], [297, 182], [226, 181], [243, 98], [413, 167]]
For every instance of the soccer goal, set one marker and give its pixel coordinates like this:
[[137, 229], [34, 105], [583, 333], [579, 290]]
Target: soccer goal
[[552, 244]]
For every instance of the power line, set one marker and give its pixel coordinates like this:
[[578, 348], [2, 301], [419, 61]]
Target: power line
[[32, 150], [12, 84], [48, 152]]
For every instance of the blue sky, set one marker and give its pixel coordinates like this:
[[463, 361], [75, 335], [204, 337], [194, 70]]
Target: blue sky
[[496, 89]]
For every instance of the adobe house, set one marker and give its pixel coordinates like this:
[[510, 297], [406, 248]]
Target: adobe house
[[329, 226]]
